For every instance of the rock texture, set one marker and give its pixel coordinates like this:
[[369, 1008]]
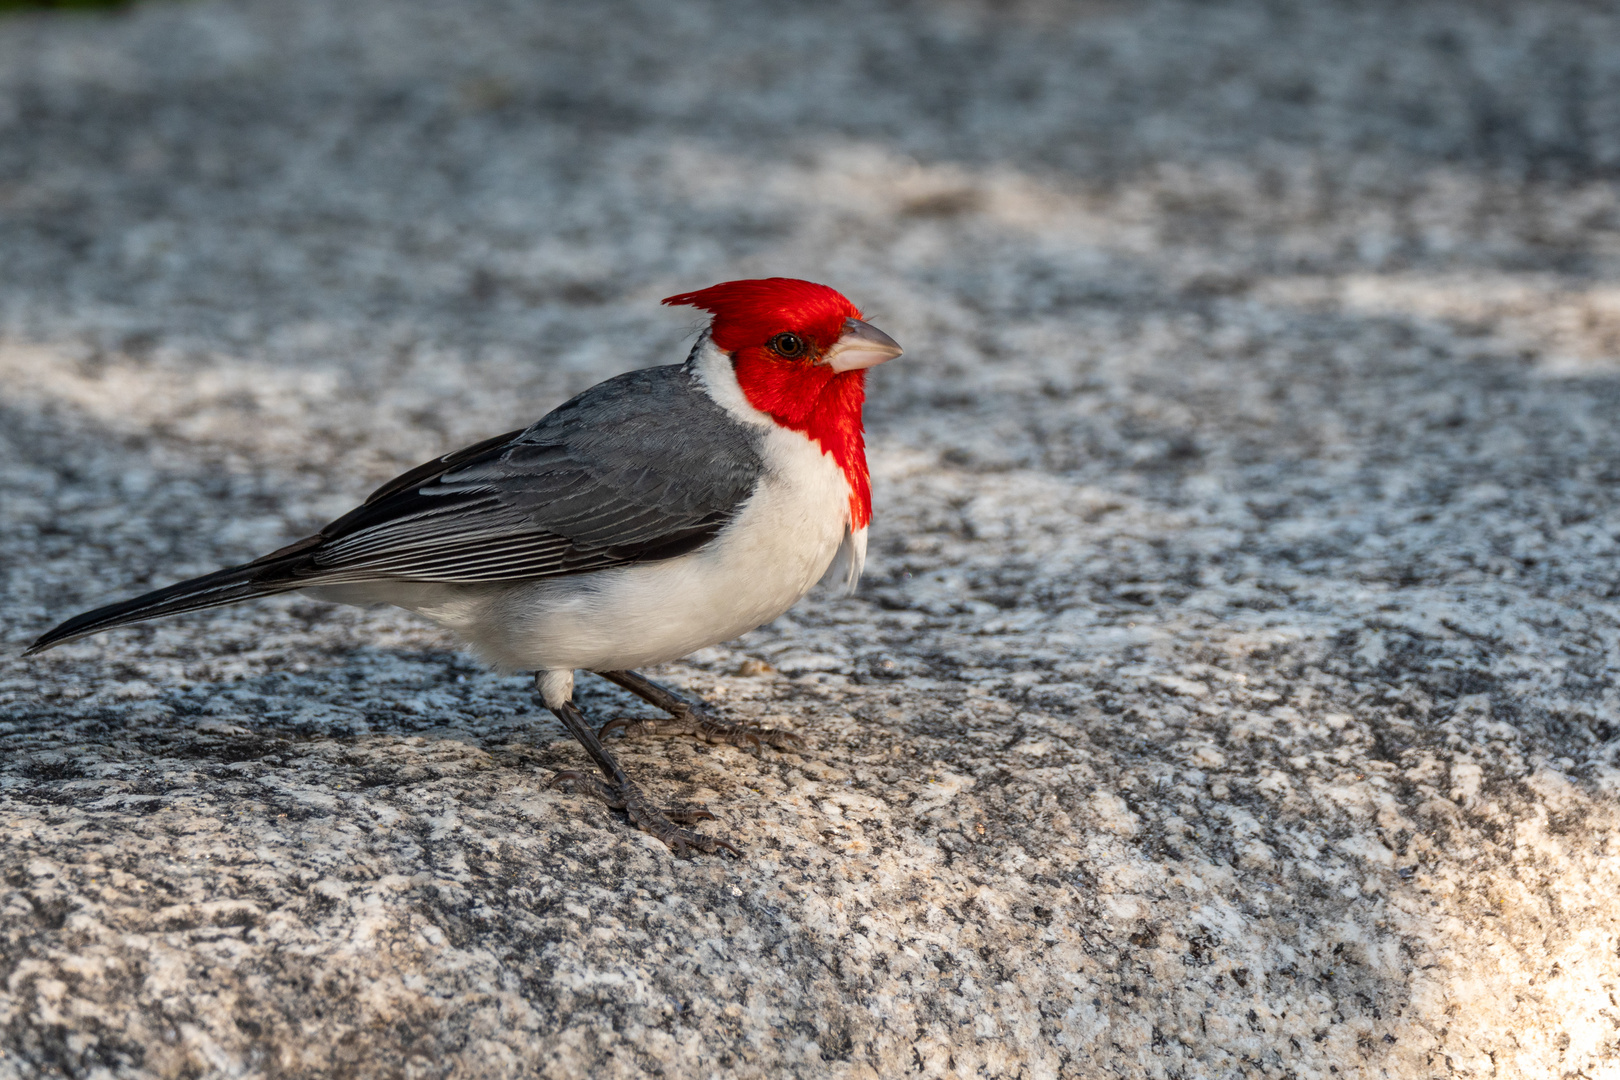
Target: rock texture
[[1233, 690]]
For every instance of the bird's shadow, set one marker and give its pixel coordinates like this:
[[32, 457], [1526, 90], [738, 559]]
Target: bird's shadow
[[382, 714]]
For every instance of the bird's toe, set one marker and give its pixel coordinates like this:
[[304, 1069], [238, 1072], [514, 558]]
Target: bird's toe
[[702, 725], [666, 823]]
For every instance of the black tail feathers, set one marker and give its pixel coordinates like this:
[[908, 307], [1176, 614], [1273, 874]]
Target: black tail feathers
[[262, 578]]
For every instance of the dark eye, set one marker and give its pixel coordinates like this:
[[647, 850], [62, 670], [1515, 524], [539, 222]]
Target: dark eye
[[787, 345]]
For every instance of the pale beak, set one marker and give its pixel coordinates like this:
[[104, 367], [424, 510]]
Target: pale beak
[[861, 346]]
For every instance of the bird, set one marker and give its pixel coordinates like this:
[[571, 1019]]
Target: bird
[[659, 512]]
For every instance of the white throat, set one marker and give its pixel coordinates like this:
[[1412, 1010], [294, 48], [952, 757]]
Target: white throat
[[715, 373]]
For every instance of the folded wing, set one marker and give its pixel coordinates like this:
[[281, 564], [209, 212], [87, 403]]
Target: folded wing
[[642, 467]]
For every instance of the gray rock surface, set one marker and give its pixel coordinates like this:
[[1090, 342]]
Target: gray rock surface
[[1233, 690]]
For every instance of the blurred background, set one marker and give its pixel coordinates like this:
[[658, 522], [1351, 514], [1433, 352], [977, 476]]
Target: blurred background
[[1263, 361], [1124, 243]]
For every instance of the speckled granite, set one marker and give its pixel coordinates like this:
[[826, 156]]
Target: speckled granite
[[1233, 691]]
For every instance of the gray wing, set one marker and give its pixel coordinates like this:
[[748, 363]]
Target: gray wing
[[643, 466]]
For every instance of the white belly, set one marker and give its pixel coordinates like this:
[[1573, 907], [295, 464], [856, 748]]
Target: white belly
[[777, 548]]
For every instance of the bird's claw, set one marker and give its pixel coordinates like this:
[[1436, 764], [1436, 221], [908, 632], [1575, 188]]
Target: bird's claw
[[702, 726], [665, 824]]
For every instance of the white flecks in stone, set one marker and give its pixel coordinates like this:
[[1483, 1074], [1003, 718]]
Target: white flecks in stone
[[1232, 689]]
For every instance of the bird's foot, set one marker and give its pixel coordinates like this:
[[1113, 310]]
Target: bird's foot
[[701, 725], [662, 823], [688, 717]]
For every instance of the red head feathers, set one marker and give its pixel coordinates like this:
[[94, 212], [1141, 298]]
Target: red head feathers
[[752, 312], [777, 330]]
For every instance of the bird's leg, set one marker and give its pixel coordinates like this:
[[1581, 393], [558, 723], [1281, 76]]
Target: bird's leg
[[689, 717], [622, 793]]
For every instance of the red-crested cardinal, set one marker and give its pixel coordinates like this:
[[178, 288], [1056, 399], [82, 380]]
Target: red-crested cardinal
[[658, 512]]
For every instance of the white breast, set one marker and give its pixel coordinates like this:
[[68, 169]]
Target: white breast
[[774, 551]]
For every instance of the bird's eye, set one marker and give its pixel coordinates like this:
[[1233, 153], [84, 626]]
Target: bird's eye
[[790, 346]]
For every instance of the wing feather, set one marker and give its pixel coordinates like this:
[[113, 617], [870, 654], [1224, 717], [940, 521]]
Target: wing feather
[[644, 466]]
